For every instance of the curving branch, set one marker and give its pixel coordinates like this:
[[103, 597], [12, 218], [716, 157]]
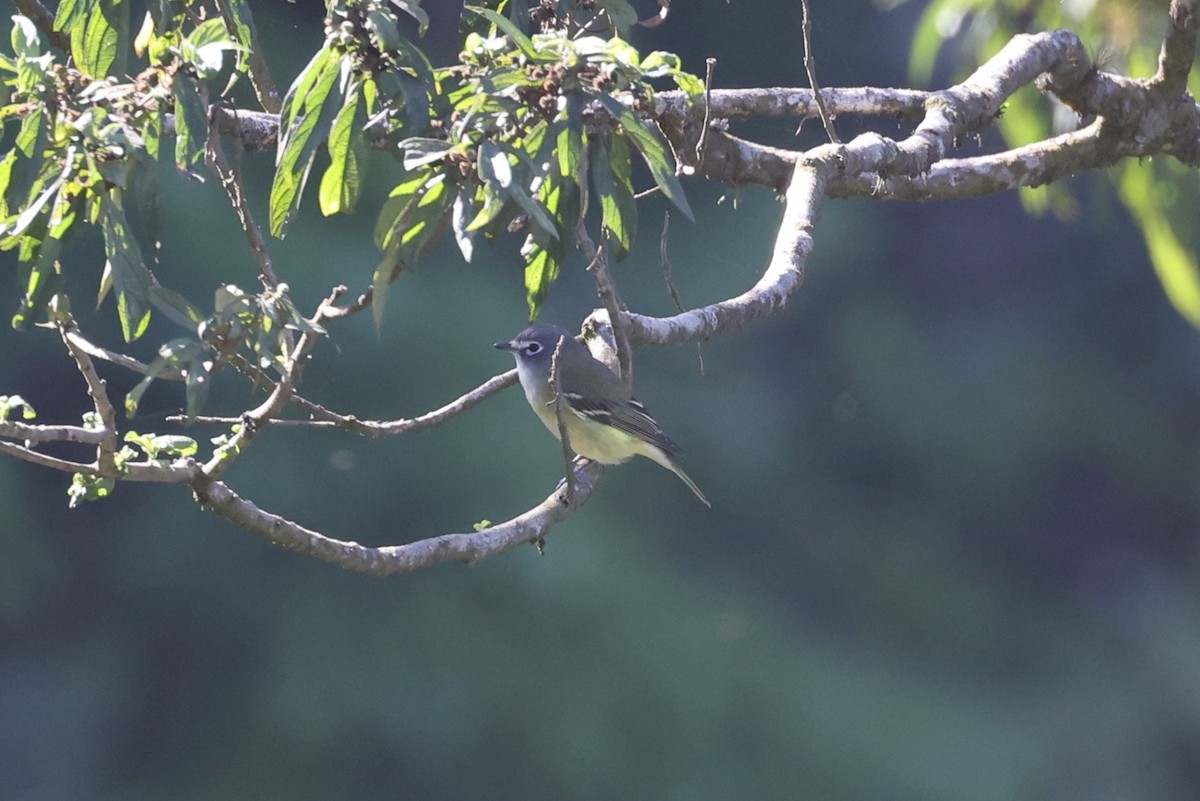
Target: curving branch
[[1133, 117], [529, 527]]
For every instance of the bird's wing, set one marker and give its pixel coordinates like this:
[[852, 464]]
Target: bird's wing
[[628, 416]]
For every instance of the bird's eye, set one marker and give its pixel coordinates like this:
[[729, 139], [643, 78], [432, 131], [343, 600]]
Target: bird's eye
[[532, 349]]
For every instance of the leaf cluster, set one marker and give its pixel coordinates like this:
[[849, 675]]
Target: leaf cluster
[[1160, 193]]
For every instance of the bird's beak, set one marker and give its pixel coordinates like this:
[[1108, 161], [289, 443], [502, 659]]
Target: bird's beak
[[509, 346]]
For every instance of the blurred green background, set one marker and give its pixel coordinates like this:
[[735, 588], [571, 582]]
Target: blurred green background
[[952, 553]]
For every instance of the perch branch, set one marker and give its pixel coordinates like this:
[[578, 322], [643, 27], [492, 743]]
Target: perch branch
[[560, 413], [530, 526]]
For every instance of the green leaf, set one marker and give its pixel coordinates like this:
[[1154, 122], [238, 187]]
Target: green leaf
[[131, 279], [100, 42], [414, 10], [413, 229], [649, 143], [10, 402], [88, 488], [927, 41], [24, 37], [494, 166], [611, 174], [621, 14], [307, 115], [541, 270], [40, 282], [341, 185], [204, 48], [511, 31], [172, 355], [1174, 260], [191, 122], [419, 151], [464, 210]]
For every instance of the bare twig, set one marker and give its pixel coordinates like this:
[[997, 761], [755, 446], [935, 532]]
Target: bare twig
[[32, 456], [702, 143], [665, 261], [810, 67], [1178, 49], [98, 392], [255, 419], [606, 288], [260, 75], [560, 416], [373, 429], [231, 182]]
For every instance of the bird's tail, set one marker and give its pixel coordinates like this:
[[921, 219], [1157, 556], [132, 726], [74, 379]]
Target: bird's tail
[[674, 467]]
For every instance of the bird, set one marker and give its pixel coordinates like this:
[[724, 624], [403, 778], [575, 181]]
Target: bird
[[604, 422]]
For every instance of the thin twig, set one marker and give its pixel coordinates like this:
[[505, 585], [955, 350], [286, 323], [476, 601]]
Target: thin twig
[[99, 394], [665, 260], [606, 288], [256, 65], [374, 429], [41, 459], [231, 182], [256, 419], [702, 143], [810, 67], [560, 415]]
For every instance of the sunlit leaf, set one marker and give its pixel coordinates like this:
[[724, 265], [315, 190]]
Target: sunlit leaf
[[191, 122], [512, 31], [131, 279], [100, 43], [341, 185], [654, 151], [307, 114], [611, 174]]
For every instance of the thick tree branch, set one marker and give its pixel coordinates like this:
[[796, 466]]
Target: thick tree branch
[[29, 433], [531, 526]]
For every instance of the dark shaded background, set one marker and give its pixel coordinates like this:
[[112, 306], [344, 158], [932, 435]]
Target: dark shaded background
[[952, 553]]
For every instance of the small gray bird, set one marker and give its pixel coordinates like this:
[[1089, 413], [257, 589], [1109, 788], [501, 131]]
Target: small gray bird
[[605, 423]]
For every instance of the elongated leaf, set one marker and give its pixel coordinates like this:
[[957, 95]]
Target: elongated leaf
[[654, 151], [414, 230], [419, 151], [494, 166], [465, 205], [310, 117], [414, 10], [494, 205], [341, 185], [131, 279], [100, 42], [541, 270], [298, 95], [611, 176], [20, 168], [171, 355], [191, 122], [510, 30], [71, 13], [40, 282]]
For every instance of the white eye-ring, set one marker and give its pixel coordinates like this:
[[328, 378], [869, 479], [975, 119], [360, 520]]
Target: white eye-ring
[[532, 349]]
